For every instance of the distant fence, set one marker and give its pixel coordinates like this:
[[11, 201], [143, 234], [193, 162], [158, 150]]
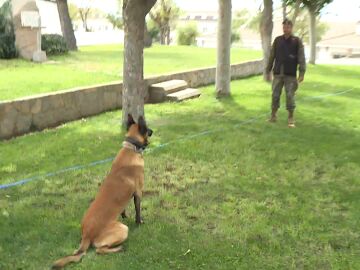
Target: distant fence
[[21, 116]]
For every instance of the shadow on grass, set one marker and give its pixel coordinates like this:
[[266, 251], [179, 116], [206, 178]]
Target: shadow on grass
[[334, 71]]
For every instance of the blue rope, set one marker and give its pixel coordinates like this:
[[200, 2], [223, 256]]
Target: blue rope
[[73, 168], [192, 136]]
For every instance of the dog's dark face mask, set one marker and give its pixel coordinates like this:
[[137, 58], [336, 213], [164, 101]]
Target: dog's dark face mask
[[143, 130]]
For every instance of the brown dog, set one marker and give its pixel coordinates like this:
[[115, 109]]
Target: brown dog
[[100, 226]]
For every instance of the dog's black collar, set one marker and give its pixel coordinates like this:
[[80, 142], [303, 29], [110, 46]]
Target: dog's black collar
[[140, 147]]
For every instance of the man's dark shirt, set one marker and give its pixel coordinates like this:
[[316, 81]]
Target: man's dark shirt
[[287, 53]]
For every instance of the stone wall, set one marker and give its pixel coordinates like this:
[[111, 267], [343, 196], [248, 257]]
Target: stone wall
[[33, 113], [206, 76]]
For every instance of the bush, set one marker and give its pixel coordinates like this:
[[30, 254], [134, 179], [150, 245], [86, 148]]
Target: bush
[[187, 35], [7, 34], [154, 31], [53, 44], [7, 46], [116, 21], [235, 37]]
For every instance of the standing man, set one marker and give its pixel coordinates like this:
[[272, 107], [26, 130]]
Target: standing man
[[287, 52]]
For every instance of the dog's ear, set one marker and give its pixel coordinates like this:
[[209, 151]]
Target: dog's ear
[[130, 121], [142, 125]]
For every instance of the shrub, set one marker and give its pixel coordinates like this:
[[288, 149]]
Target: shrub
[[7, 46], [116, 21], [154, 31], [235, 37], [187, 35], [53, 44], [7, 35]]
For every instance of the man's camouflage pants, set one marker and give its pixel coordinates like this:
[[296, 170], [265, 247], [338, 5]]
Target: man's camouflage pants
[[290, 83]]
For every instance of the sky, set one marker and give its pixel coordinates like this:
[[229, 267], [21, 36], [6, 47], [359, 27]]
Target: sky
[[338, 10]]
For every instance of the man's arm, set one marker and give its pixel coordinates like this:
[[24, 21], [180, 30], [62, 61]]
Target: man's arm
[[270, 63], [301, 61]]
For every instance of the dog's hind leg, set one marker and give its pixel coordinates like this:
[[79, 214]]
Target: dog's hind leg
[[110, 239], [105, 250]]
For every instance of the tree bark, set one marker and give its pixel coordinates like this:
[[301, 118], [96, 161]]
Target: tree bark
[[162, 35], [165, 34], [223, 69], [168, 31], [66, 25], [84, 16], [134, 88], [284, 11], [266, 28], [296, 12], [312, 37]]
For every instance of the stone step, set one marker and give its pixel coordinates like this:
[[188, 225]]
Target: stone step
[[159, 91], [183, 95]]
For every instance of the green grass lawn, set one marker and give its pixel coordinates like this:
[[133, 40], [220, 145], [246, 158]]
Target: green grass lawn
[[100, 64], [252, 196]]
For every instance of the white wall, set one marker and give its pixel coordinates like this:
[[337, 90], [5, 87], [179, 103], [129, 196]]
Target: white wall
[[103, 33], [103, 37], [101, 24], [49, 17]]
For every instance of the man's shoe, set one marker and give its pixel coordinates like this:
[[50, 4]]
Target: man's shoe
[[272, 119], [291, 122]]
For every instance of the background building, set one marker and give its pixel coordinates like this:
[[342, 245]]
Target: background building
[[341, 38], [101, 30], [206, 23]]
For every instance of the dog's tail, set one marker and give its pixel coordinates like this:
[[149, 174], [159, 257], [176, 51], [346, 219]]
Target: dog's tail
[[76, 257]]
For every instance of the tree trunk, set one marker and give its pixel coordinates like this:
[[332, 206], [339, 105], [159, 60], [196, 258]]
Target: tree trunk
[[66, 25], [266, 28], [223, 69], [168, 31], [312, 37], [296, 12], [162, 35], [284, 9], [134, 88], [85, 22], [85, 26]]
